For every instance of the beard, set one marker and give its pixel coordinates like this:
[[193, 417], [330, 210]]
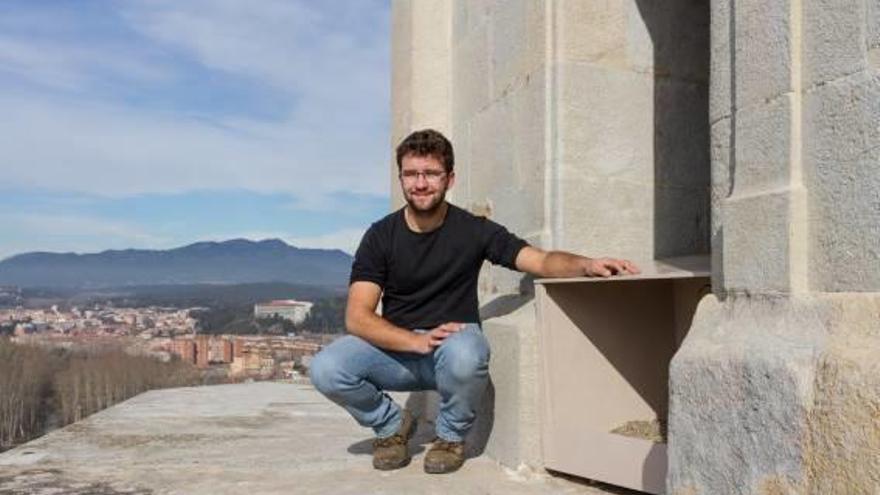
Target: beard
[[426, 208]]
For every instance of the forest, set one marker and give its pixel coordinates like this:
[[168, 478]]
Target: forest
[[42, 388]]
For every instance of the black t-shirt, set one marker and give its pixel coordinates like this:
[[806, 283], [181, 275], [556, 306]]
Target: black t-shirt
[[431, 278]]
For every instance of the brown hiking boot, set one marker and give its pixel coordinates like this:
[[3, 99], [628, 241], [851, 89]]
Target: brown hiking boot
[[391, 453], [444, 457]]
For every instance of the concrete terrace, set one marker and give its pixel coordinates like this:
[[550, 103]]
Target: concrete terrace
[[257, 438]]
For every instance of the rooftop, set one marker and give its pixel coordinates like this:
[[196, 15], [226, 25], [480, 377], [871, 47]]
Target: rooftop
[[283, 303], [260, 438]]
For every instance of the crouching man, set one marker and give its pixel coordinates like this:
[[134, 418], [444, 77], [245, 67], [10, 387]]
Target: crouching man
[[423, 261]]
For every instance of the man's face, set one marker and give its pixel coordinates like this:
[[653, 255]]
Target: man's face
[[424, 182]]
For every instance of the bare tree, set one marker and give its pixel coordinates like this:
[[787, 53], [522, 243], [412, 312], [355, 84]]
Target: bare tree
[[36, 383]]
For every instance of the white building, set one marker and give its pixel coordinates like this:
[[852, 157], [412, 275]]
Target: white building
[[290, 309]]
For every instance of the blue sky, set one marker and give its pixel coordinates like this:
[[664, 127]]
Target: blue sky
[[154, 124]]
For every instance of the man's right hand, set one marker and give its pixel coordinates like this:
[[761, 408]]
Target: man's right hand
[[424, 343]]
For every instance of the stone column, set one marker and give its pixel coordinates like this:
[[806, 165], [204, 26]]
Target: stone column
[[499, 127], [421, 73], [776, 389]]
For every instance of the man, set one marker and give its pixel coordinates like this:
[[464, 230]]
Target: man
[[423, 261]]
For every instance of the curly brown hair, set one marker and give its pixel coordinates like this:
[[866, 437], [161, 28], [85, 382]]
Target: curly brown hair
[[427, 142]]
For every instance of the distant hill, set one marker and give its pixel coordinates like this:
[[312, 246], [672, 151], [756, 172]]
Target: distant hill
[[230, 262], [177, 295]]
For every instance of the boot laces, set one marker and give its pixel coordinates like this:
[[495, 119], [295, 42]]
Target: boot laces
[[396, 439], [440, 444]]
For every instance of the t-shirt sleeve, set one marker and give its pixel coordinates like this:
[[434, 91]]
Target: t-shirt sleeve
[[370, 263], [501, 247]]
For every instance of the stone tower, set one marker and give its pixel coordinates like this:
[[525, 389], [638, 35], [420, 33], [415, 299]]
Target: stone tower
[[742, 129]]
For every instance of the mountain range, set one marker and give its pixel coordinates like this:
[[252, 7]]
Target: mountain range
[[234, 261]]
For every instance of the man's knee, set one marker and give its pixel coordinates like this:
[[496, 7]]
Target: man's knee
[[324, 372], [465, 355], [327, 370]]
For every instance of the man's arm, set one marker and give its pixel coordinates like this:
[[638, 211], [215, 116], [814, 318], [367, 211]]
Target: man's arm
[[560, 264], [361, 320]]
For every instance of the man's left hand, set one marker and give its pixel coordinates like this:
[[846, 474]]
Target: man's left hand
[[606, 267]]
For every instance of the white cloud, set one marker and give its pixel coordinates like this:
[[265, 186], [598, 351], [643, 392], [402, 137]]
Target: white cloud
[[346, 240], [331, 64], [47, 232], [110, 151], [321, 48], [57, 64]]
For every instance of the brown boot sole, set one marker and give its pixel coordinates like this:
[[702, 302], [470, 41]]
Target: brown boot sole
[[442, 469], [390, 466]]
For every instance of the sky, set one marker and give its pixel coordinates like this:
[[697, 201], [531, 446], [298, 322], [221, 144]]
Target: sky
[[154, 124]]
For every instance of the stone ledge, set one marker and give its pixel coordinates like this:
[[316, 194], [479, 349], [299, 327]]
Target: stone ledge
[[259, 438]]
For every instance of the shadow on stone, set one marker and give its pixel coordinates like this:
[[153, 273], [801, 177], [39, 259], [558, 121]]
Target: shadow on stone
[[679, 31], [605, 487], [508, 303], [416, 445], [363, 447], [425, 406]]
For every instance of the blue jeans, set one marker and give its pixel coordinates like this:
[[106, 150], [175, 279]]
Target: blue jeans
[[354, 374]]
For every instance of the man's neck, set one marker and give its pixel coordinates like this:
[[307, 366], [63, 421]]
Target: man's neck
[[425, 221]]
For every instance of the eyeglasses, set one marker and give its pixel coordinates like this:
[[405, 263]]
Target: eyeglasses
[[431, 176]]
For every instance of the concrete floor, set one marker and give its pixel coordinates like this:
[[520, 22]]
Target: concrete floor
[[257, 438]]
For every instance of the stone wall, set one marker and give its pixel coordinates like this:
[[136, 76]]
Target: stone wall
[[606, 128], [776, 389], [579, 126]]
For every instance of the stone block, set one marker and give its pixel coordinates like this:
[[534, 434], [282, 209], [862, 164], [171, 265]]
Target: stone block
[[507, 163], [669, 39], [719, 191], [763, 50], [841, 119], [518, 44], [678, 35], [607, 218], [842, 165], [739, 391], [845, 227], [469, 15], [594, 32], [514, 370], [606, 124], [681, 134], [470, 72], [528, 169], [720, 155], [530, 126], [757, 242], [460, 193], [763, 147], [834, 39], [401, 74], [789, 384], [846, 407], [430, 64], [491, 134], [681, 221], [872, 25], [720, 80]]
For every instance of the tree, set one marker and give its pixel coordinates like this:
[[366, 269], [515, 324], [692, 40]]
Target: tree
[[327, 316]]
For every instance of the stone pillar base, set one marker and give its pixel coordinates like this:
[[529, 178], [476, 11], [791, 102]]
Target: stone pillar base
[[777, 394]]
